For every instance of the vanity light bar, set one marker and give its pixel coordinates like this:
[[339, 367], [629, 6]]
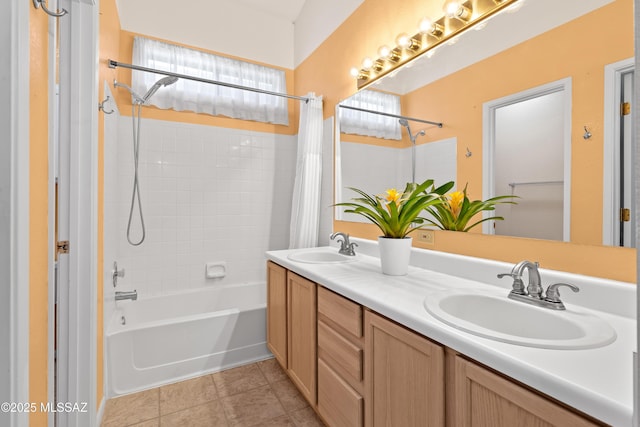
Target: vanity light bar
[[408, 48]]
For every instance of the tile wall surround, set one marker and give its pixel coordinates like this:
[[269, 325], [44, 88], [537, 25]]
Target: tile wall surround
[[208, 194]]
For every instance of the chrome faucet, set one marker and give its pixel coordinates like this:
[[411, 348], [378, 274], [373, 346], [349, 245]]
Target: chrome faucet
[[132, 295], [346, 247], [533, 294]]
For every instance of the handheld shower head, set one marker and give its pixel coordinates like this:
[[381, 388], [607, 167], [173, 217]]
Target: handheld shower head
[[165, 81], [136, 98], [412, 137]]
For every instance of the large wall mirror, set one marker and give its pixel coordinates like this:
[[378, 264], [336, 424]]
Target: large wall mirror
[[530, 106]]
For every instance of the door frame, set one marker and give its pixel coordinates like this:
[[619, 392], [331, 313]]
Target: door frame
[[15, 224], [611, 153], [79, 132], [488, 145]]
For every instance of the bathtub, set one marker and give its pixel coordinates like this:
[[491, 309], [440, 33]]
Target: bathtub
[[160, 340]]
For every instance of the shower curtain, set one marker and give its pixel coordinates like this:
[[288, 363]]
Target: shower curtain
[[305, 208]]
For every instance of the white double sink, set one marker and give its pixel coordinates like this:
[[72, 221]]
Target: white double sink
[[491, 314]]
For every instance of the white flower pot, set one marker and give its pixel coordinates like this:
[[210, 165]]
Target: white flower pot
[[394, 255]]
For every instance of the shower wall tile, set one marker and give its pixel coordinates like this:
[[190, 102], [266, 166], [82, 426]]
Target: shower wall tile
[[208, 194]]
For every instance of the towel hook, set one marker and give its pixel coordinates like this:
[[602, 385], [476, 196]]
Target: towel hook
[[101, 105], [57, 14], [468, 153], [587, 134]]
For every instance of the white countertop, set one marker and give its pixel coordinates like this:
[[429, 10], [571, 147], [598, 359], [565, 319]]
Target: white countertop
[[598, 382]]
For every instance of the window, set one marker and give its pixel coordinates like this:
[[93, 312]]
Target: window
[[368, 124], [210, 98]]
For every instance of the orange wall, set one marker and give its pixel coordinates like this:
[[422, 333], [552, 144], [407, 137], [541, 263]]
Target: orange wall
[[370, 26], [38, 213]]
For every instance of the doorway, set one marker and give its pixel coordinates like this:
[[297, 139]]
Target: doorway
[[527, 149], [618, 227]]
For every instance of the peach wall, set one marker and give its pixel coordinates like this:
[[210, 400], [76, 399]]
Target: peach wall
[[369, 27], [38, 214]]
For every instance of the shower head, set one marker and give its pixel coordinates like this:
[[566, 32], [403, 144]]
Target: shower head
[[412, 137], [165, 81], [136, 98]]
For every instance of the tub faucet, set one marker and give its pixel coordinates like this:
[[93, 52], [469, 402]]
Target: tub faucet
[[346, 247], [132, 295]]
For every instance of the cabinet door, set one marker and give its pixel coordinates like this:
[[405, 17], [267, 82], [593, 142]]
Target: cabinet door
[[301, 295], [404, 376], [277, 312], [483, 398], [338, 403]]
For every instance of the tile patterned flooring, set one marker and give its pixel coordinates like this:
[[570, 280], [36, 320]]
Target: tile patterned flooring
[[259, 394]]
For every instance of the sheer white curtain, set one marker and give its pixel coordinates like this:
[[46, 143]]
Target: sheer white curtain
[[305, 208], [208, 98], [368, 124]]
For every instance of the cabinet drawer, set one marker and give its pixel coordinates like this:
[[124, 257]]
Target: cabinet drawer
[[340, 354], [347, 314], [338, 403]]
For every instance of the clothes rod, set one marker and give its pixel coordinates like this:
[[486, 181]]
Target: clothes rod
[[115, 64], [513, 184], [390, 115]]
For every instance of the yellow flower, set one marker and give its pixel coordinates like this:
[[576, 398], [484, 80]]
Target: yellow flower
[[455, 202], [394, 196]]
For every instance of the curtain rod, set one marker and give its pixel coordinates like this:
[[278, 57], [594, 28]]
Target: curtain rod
[[115, 64], [390, 115]]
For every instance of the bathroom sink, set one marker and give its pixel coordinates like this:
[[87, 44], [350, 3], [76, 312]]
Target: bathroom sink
[[494, 316], [320, 256]]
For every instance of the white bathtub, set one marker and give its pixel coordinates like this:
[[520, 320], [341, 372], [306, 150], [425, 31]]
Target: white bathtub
[[169, 338]]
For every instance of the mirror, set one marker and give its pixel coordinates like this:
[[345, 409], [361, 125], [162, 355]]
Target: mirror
[[544, 41]]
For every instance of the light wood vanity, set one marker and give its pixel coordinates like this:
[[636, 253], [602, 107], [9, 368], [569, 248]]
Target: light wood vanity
[[359, 368]]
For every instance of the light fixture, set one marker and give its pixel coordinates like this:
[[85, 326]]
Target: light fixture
[[459, 16]]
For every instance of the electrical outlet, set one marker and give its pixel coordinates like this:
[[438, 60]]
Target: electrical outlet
[[426, 236]]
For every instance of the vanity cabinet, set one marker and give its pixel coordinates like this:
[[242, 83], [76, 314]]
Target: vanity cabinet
[[357, 368], [277, 312], [482, 397], [301, 334], [404, 376], [340, 360], [291, 326]]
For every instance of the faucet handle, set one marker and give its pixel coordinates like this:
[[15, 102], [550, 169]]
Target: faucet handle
[[553, 295], [116, 273], [518, 285]]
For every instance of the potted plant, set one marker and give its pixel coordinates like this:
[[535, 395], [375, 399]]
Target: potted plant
[[456, 210], [397, 214]]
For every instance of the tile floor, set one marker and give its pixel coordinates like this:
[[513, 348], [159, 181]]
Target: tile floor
[[259, 394]]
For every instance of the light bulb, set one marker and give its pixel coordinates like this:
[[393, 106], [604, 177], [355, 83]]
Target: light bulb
[[451, 8], [426, 26], [403, 40], [384, 51], [354, 72], [455, 9], [367, 63]]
